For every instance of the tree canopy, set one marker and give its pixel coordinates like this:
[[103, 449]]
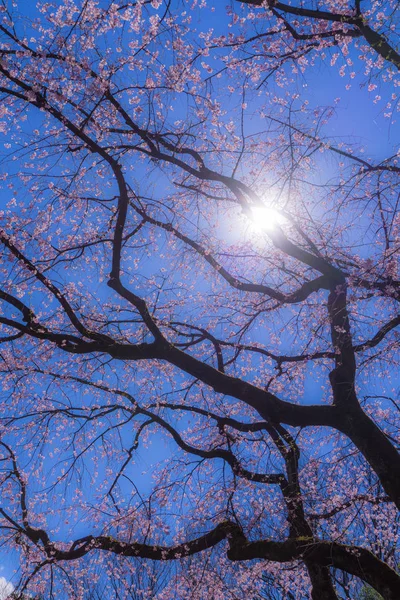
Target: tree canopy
[[199, 299]]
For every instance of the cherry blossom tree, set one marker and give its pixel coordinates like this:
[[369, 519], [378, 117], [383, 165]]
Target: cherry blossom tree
[[199, 302]]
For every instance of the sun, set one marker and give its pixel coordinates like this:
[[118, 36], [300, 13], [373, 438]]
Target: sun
[[265, 218]]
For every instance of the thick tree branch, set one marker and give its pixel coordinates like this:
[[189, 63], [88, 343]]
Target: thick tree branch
[[351, 559], [376, 40]]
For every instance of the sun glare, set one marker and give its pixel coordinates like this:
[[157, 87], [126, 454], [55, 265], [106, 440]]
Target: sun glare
[[264, 218]]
